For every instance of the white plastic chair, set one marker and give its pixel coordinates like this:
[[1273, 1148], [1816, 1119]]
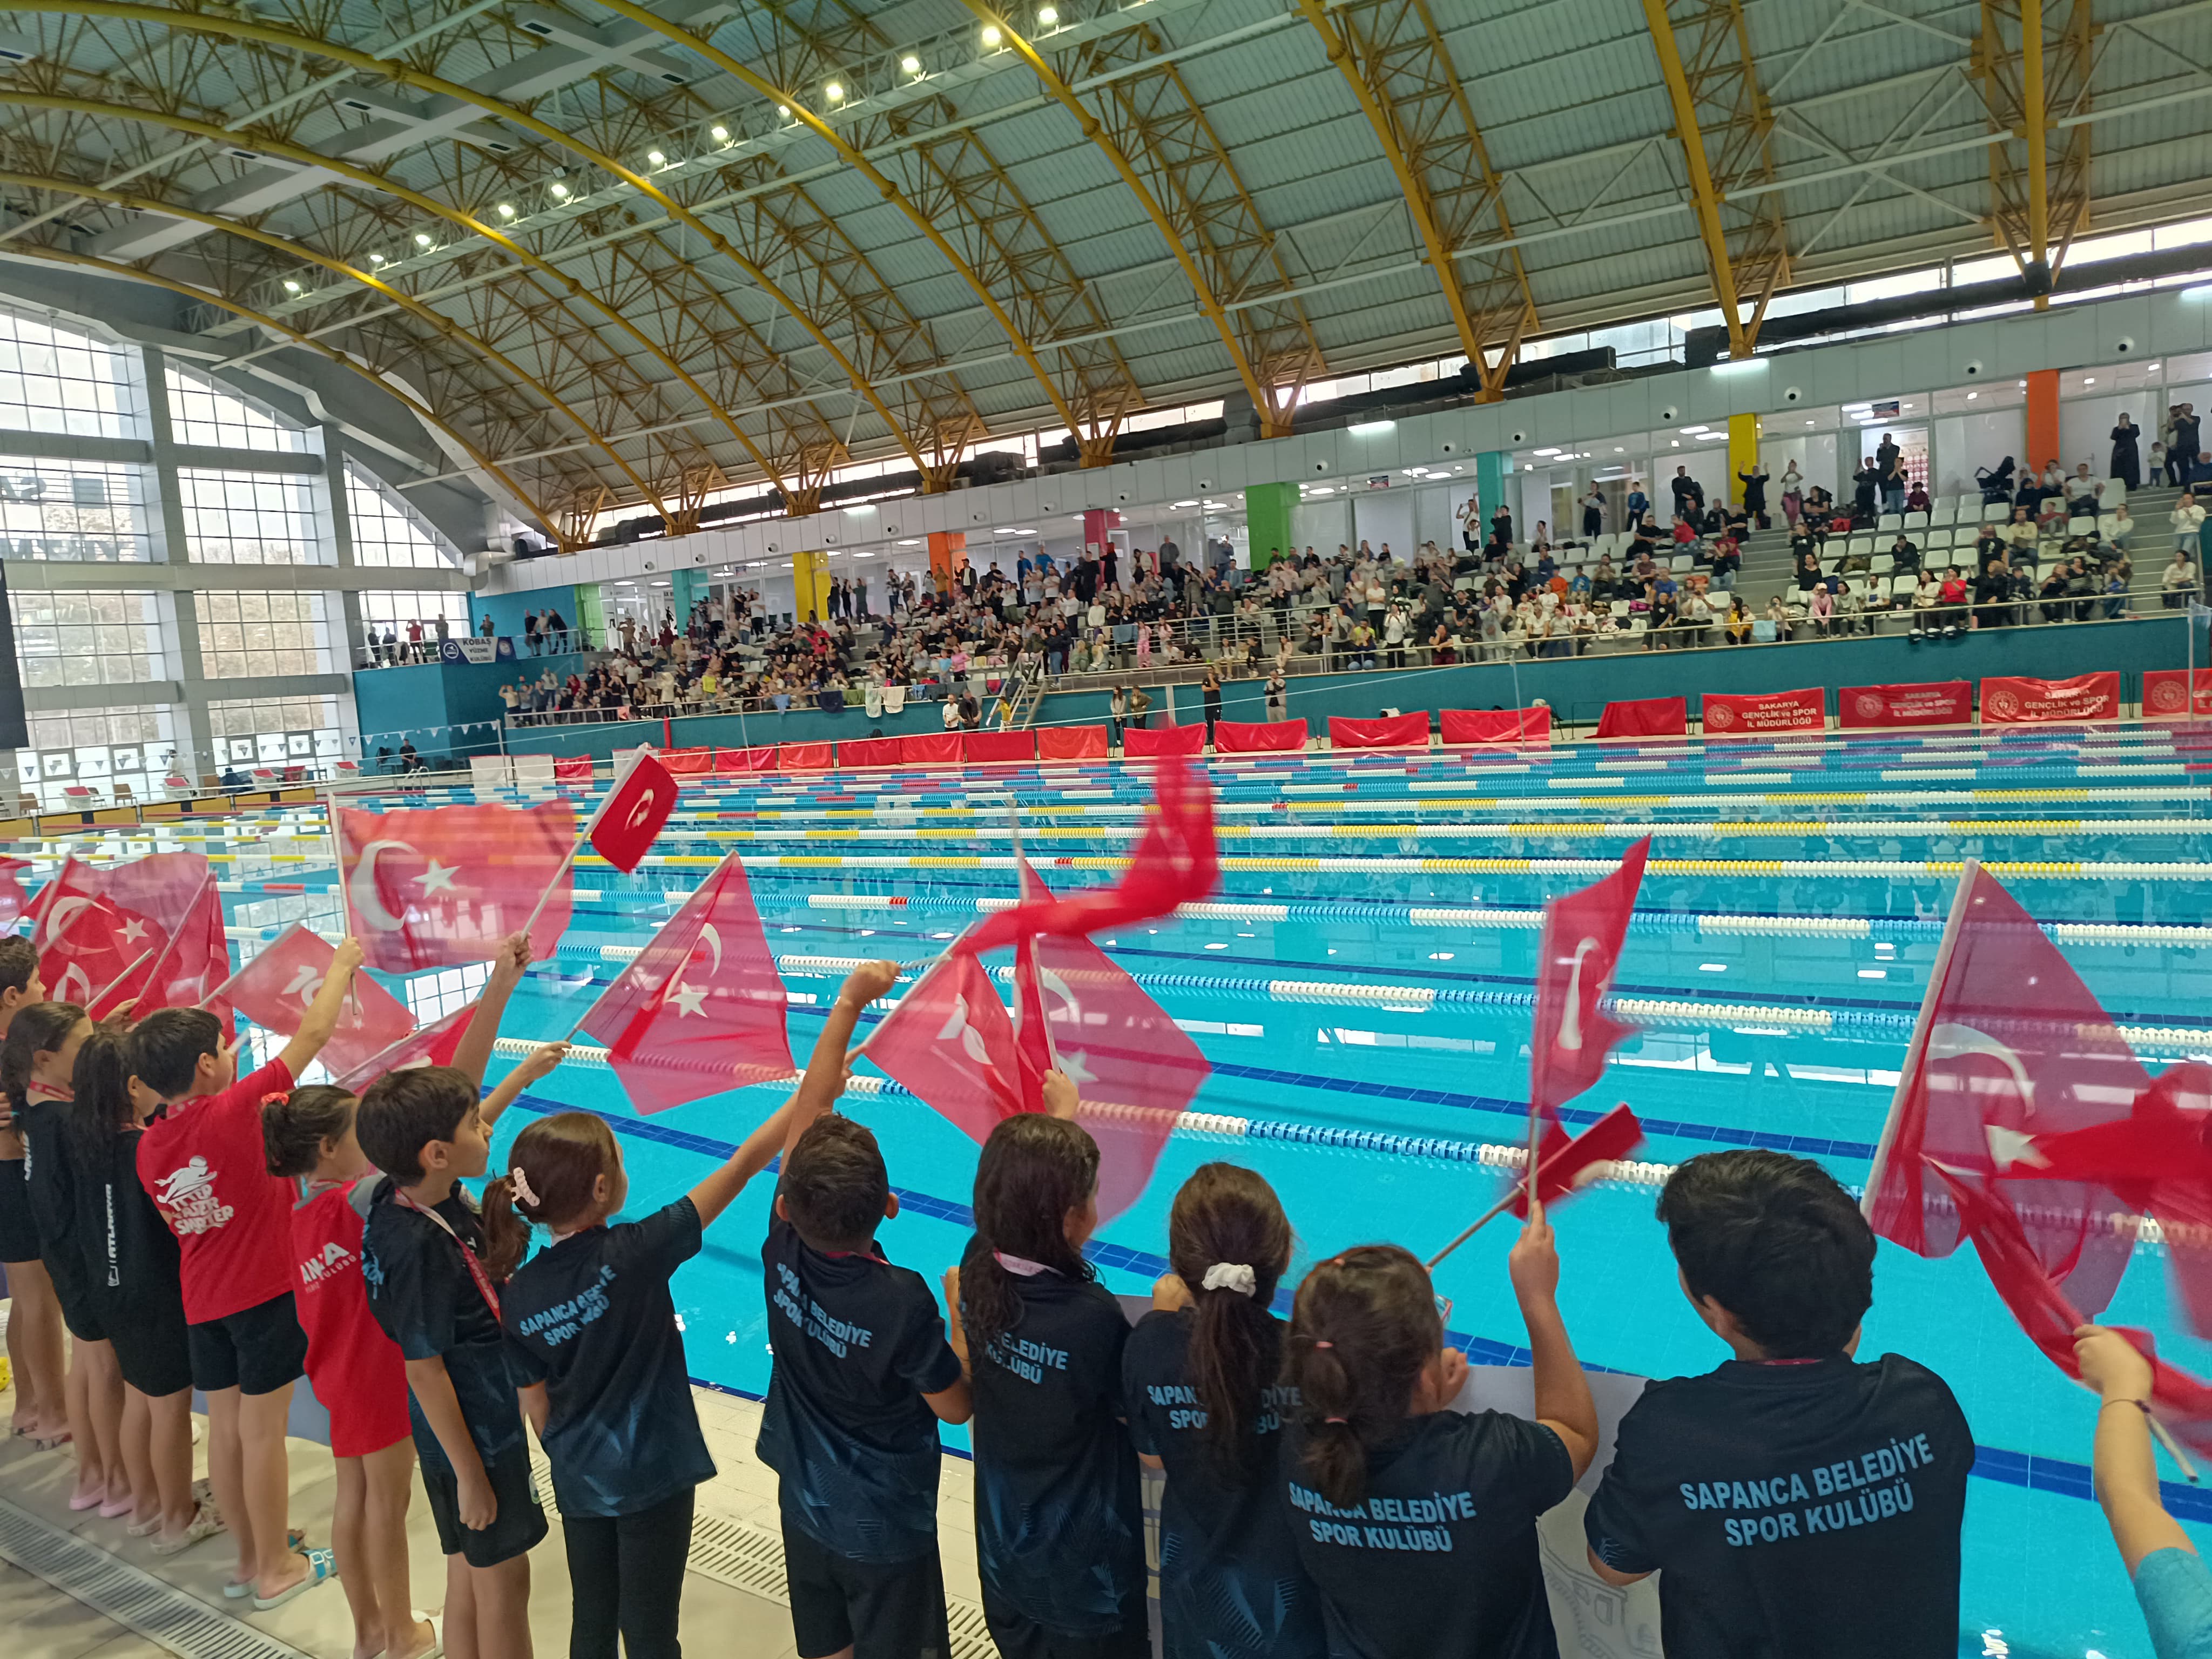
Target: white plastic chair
[[1620, 609], [1971, 501], [1890, 523], [2081, 526], [1944, 512], [1681, 562], [1883, 564], [1995, 512], [2115, 492], [1915, 521]]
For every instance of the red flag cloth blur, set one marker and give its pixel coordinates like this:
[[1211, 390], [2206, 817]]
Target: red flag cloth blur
[[949, 1041], [2180, 1401], [702, 1009], [1032, 1041], [1583, 933], [1176, 862], [637, 804], [1134, 1070], [196, 961], [14, 900], [435, 1044], [274, 990], [428, 888], [2010, 1044], [1564, 1165], [2159, 1158], [101, 930]]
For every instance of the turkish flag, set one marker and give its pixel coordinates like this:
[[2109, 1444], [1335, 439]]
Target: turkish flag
[[1134, 1071], [1563, 1166], [429, 888], [14, 900], [1032, 1041], [2010, 1047], [434, 1044], [949, 1041], [193, 965], [2016, 1271], [642, 796], [1583, 933], [1176, 862], [274, 990], [702, 1009], [100, 931]]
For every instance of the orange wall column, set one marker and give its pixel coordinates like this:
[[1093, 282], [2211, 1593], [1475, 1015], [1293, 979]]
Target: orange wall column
[[948, 557], [2041, 420]]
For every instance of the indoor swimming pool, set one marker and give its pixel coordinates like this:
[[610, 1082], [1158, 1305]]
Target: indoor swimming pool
[[1363, 986]]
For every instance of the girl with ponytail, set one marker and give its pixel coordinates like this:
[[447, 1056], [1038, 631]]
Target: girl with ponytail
[[1201, 1374], [1058, 1520], [1388, 1488]]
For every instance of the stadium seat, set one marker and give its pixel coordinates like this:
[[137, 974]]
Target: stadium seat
[[1889, 523], [1943, 513], [2082, 525], [1915, 521], [1995, 512], [1883, 564]]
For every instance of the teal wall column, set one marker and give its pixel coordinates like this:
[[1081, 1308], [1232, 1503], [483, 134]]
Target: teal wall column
[[1490, 468], [685, 590], [1268, 510]]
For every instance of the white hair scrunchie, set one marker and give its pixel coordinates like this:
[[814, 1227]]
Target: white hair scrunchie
[[1231, 1276], [521, 1184]]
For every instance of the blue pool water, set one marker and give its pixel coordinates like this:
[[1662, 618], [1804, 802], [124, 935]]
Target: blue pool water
[[1366, 1109]]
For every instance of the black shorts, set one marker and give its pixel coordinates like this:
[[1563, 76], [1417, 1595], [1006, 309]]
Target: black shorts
[[153, 1348], [1019, 1637], [19, 1233], [881, 1610], [256, 1350], [66, 1269], [515, 1530]]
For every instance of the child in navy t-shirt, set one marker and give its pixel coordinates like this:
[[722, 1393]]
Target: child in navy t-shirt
[[1418, 1522], [1200, 1374], [863, 1376], [1058, 1518], [1798, 1502]]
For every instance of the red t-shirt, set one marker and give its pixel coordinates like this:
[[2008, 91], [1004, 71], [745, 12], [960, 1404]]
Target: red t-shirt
[[205, 1166], [355, 1369]]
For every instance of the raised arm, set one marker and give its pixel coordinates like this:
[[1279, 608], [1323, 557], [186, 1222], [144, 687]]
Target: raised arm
[[473, 1053], [535, 1065], [825, 1068], [1563, 1394], [2125, 1469], [321, 1019]]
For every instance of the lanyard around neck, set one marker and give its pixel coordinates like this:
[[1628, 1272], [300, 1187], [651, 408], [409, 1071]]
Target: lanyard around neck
[[468, 1256]]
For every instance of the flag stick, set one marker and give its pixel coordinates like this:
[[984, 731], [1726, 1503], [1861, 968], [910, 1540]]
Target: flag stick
[[108, 990], [1519, 1186], [1937, 972], [345, 892], [2173, 1449], [559, 876], [1021, 858], [603, 995]]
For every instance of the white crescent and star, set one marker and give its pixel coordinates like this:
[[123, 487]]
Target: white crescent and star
[[60, 916], [713, 940], [688, 998], [361, 888], [438, 878]]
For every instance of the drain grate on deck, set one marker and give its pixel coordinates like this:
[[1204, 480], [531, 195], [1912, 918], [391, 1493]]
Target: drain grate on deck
[[751, 1558], [133, 1598]]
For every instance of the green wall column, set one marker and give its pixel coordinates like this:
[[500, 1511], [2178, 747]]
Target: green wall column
[[1267, 520], [1490, 485]]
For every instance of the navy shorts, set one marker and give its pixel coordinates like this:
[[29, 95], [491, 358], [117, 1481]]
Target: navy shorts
[[515, 1530], [881, 1610], [256, 1350]]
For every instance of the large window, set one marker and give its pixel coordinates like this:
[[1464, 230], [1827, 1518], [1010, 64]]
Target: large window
[[105, 750], [395, 611], [86, 511], [243, 635], [275, 732], [251, 518], [389, 534], [205, 411], [56, 379], [73, 638]]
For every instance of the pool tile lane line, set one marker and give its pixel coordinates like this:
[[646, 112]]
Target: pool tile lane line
[[2048, 1474]]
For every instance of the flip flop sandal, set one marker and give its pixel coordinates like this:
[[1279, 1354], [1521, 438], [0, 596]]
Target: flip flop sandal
[[322, 1565], [115, 1510], [205, 1524], [79, 1502], [236, 1590], [437, 1636]]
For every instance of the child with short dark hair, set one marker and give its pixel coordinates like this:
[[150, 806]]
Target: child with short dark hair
[[1201, 1375], [1798, 1502], [429, 1288], [1059, 1517], [1383, 1478], [593, 1319], [850, 1426], [204, 1160], [37, 1350]]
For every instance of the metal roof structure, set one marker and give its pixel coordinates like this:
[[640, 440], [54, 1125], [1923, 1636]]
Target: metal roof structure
[[614, 253]]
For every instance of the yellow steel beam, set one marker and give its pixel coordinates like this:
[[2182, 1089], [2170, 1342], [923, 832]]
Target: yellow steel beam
[[1023, 348], [1703, 198], [1209, 303], [1415, 101], [547, 521], [2037, 101], [444, 325], [288, 40], [575, 291]]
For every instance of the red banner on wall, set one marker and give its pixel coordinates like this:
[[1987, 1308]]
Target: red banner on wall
[[1390, 732], [2168, 693], [870, 752], [689, 762], [1645, 717], [1163, 740], [575, 769], [1728, 713], [1001, 747], [1932, 703], [931, 748], [1064, 743], [1510, 728], [2014, 701], [803, 757], [1257, 737], [762, 759]]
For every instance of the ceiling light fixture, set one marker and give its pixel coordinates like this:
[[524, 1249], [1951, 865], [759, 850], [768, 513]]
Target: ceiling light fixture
[[1048, 16], [910, 63], [421, 239], [834, 91], [1367, 428], [719, 133], [559, 190], [992, 37], [656, 159], [505, 210], [291, 287]]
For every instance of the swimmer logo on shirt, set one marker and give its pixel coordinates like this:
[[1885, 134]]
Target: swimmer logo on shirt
[[187, 1200], [1855, 1492]]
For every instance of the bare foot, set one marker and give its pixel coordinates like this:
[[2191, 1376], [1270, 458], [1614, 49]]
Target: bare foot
[[422, 1636]]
